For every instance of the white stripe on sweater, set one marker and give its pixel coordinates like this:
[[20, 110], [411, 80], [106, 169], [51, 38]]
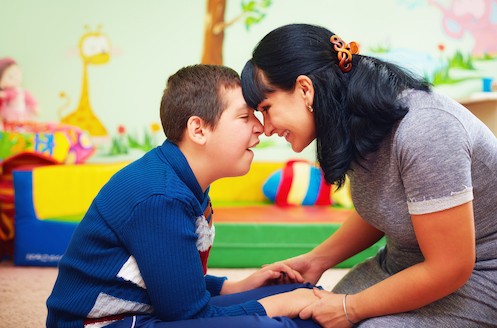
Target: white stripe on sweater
[[131, 272], [205, 234], [107, 305]]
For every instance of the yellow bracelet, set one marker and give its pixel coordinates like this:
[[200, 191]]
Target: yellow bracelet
[[345, 308]]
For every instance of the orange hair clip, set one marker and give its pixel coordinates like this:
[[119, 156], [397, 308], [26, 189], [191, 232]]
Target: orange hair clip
[[344, 52]]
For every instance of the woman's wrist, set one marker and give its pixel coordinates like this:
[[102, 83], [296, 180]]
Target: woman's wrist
[[350, 309], [345, 312], [318, 260]]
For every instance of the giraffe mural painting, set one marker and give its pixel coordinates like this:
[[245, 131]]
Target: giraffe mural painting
[[94, 49]]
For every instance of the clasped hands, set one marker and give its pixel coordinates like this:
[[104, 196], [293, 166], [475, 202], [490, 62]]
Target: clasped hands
[[322, 306]]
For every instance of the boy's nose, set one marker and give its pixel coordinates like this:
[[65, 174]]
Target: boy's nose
[[259, 128]]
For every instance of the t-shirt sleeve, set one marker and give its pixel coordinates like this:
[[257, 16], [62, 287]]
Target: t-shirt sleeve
[[434, 154], [161, 236]]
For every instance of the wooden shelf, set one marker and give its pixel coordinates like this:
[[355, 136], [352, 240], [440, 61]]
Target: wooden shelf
[[484, 106]]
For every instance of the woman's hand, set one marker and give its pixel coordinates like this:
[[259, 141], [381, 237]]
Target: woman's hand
[[276, 273], [328, 311], [307, 266], [337, 248], [288, 304]]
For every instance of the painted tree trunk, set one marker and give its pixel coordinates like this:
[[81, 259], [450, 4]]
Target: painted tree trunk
[[214, 32]]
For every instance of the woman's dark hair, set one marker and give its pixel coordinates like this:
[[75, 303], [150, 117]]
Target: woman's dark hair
[[353, 112]]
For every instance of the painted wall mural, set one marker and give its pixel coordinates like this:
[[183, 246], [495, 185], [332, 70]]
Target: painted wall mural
[[449, 72], [452, 43], [252, 12], [94, 49], [478, 18]]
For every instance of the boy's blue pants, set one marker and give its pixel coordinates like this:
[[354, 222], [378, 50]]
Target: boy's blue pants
[[246, 321]]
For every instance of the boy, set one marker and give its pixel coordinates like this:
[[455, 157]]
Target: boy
[[139, 256]]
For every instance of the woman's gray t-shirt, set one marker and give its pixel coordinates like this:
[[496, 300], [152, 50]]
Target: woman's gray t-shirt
[[437, 157]]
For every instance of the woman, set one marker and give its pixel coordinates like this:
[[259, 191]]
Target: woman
[[422, 170]]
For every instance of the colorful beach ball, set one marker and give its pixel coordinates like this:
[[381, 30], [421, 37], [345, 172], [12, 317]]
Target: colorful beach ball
[[298, 183]]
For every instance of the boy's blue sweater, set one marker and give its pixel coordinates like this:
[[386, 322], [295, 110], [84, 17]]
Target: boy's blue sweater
[[135, 250]]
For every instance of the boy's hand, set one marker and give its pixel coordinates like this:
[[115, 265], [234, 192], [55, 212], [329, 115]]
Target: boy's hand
[[276, 273], [288, 304]]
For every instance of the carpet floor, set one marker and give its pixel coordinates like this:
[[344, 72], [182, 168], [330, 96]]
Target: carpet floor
[[24, 290]]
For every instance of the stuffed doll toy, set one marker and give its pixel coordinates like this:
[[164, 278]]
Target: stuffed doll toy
[[16, 104]]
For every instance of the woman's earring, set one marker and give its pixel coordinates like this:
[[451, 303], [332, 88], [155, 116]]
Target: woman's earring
[[309, 107]]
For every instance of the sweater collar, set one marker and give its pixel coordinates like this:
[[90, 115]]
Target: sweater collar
[[173, 155]]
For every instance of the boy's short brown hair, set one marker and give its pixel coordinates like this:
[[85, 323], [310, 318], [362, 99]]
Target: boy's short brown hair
[[195, 90]]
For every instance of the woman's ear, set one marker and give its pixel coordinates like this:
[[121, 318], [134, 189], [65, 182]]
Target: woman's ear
[[304, 85], [196, 130]]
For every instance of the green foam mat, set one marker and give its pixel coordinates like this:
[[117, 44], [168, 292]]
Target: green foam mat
[[242, 245]]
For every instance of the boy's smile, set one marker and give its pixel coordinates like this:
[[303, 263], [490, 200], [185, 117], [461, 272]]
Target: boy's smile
[[234, 135]]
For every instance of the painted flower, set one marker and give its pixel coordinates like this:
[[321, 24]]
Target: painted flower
[[155, 127], [121, 129]]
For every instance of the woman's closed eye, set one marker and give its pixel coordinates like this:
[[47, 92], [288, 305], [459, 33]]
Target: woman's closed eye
[[264, 109]]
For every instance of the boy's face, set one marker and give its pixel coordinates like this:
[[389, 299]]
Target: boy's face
[[236, 131]]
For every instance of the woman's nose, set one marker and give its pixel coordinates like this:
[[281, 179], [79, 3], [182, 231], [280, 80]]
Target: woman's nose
[[268, 128]]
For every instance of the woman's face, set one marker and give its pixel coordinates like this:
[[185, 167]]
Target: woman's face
[[286, 114]]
